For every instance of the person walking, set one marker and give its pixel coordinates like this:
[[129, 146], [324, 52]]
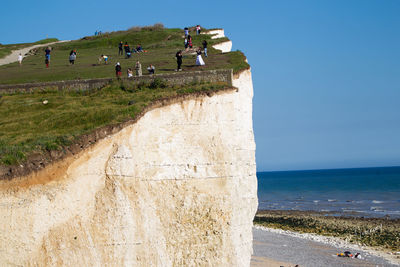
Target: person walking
[[186, 31], [72, 57], [118, 70], [20, 59], [205, 48], [120, 52], [47, 52], [138, 68], [190, 41], [198, 29], [179, 60]]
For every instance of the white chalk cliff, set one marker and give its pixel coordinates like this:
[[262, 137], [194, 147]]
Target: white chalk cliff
[[177, 188], [225, 46]]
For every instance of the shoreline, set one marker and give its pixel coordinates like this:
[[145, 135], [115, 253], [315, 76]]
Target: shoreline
[[376, 236]]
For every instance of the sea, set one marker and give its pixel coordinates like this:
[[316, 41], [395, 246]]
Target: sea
[[361, 192]]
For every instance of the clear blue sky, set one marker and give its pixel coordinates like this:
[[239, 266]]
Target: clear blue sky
[[326, 73]]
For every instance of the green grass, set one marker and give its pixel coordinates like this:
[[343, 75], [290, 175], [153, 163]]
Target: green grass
[[6, 49], [161, 44], [28, 126], [373, 232]]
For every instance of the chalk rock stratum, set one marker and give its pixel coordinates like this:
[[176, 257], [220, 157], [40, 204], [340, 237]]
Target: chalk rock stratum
[[177, 188]]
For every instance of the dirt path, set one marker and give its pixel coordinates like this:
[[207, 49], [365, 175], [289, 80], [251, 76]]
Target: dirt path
[[13, 57]]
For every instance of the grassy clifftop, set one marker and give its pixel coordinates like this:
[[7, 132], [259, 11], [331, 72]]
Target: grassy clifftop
[[160, 43]]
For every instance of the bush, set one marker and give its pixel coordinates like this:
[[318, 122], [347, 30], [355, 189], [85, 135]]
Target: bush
[[158, 83], [155, 27]]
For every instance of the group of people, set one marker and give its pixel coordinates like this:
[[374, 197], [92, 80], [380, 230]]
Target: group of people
[[189, 45], [179, 56], [128, 52], [138, 68], [47, 52]]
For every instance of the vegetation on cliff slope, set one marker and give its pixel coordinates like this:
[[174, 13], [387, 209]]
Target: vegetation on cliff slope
[[44, 121], [160, 43]]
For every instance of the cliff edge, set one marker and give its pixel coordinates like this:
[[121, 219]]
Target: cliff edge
[[177, 188]]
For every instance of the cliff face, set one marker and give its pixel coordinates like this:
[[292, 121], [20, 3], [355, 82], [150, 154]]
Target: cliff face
[[177, 188], [224, 46]]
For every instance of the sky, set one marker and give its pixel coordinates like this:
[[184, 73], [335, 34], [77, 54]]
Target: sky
[[326, 74]]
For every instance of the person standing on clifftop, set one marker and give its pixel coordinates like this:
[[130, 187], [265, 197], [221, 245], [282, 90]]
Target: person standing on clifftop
[[190, 41], [198, 29], [138, 68], [199, 59], [120, 52], [179, 60], [47, 56], [72, 57], [205, 48], [118, 70], [20, 59], [186, 30]]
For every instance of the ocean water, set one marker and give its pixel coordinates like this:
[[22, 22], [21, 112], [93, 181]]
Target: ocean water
[[368, 192]]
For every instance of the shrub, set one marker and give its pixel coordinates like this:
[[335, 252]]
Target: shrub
[[158, 83], [155, 27]]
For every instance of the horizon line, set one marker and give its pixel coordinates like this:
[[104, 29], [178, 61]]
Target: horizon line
[[330, 169]]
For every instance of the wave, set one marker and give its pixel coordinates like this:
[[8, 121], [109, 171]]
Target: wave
[[379, 209]]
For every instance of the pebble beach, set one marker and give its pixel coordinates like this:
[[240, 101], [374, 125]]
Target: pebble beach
[[275, 247]]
